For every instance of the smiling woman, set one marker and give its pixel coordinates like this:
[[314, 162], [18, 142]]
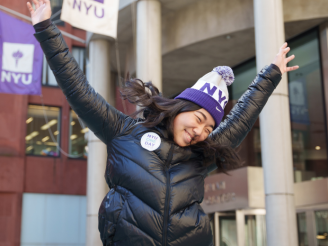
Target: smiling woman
[[192, 127], [186, 123], [157, 162]]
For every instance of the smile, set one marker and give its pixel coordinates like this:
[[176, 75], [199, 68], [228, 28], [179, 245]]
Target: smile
[[189, 136]]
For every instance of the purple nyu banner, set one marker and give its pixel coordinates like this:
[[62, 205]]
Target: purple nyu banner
[[20, 57]]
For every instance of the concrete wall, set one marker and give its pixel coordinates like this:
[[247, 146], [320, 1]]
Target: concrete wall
[[210, 18]]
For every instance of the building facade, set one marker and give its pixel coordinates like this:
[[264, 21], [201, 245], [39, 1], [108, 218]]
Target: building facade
[[50, 194]]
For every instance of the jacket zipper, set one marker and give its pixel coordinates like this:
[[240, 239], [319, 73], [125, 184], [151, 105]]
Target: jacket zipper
[[166, 206]]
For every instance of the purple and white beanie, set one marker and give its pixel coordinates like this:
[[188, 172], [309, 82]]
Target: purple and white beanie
[[211, 92]]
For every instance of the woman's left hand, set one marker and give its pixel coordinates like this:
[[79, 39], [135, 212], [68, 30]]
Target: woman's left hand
[[281, 61]]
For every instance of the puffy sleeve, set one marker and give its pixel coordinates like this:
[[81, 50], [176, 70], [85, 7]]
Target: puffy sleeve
[[101, 118], [232, 131]]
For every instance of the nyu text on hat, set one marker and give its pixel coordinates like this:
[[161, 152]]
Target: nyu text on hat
[[211, 92]]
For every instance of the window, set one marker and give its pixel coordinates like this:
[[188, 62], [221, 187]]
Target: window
[[244, 75], [307, 109], [321, 221], [38, 139], [78, 137], [251, 147], [56, 6], [302, 231], [49, 219], [48, 77], [79, 55]]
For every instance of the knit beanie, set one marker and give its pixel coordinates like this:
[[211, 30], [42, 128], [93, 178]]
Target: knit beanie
[[210, 92]]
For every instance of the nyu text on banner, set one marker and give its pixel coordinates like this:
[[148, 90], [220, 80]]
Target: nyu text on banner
[[97, 16], [20, 57]]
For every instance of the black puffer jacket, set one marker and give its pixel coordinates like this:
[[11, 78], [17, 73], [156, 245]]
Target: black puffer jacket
[[155, 195]]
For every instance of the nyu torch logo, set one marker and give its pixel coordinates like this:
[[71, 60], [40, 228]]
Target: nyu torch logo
[[17, 55], [17, 63]]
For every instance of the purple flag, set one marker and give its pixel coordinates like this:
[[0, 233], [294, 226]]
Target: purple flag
[[20, 57]]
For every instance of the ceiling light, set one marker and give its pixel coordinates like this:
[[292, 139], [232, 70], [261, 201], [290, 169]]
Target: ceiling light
[[51, 144], [31, 135], [29, 120], [321, 237], [73, 137], [72, 123], [45, 139], [29, 148], [317, 147], [38, 142], [85, 130], [49, 124], [56, 133]]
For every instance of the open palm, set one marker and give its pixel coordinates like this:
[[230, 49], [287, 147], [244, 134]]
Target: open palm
[[41, 12], [281, 61]]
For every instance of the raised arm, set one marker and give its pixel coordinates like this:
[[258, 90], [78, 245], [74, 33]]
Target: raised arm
[[240, 120], [103, 119], [232, 131]]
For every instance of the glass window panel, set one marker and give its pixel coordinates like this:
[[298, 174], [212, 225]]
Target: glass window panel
[[49, 219], [48, 78], [78, 137], [228, 231], [56, 5], [38, 139], [244, 75], [301, 228], [255, 230], [321, 221], [79, 55], [44, 70], [307, 110], [51, 78], [251, 147]]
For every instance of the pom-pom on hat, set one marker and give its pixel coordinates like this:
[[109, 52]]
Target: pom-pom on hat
[[211, 92]]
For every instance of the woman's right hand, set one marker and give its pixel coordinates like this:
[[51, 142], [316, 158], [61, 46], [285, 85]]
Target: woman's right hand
[[42, 10]]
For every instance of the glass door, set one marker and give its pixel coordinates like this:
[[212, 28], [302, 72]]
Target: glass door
[[255, 230], [225, 229], [251, 228], [321, 221]]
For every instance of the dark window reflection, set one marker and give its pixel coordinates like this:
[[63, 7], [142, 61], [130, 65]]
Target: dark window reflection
[[321, 221], [42, 136], [78, 137], [307, 110], [301, 228], [56, 6]]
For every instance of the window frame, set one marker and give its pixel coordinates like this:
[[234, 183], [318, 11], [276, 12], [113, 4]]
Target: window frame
[[59, 129], [70, 156]]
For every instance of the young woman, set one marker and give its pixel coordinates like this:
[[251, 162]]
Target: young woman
[[156, 165]]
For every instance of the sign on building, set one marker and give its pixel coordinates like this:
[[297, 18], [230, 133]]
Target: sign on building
[[299, 112], [20, 57], [97, 16]]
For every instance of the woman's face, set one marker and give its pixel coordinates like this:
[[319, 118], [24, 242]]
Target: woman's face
[[192, 127]]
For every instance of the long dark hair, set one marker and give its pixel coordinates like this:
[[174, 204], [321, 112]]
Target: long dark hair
[[160, 111]]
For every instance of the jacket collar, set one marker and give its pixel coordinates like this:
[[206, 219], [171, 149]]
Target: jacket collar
[[180, 154]]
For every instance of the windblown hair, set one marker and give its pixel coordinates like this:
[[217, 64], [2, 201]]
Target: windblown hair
[[161, 112]]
